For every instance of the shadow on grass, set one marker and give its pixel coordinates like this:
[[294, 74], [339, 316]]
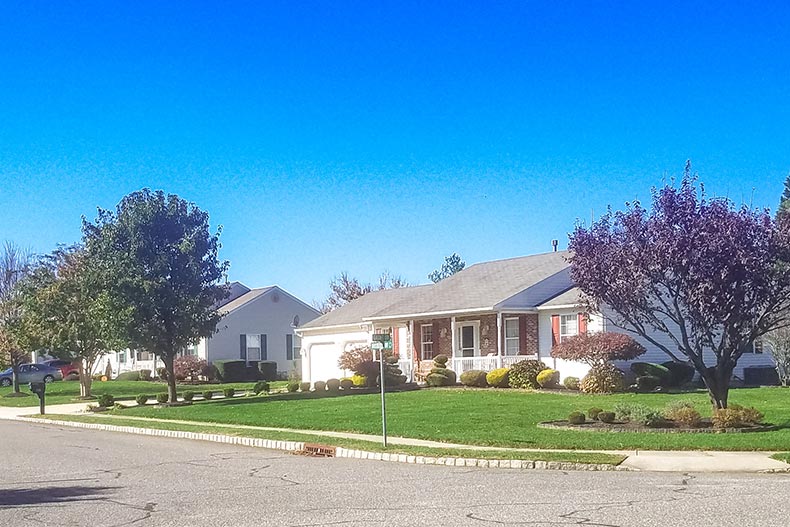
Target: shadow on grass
[[38, 496]]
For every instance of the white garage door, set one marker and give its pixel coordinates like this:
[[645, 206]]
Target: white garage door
[[323, 362]]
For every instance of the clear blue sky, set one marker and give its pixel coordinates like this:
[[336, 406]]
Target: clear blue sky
[[352, 136]]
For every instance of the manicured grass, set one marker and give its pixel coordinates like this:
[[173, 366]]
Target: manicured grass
[[782, 456], [62, 392], [570, 457], [487, 417]]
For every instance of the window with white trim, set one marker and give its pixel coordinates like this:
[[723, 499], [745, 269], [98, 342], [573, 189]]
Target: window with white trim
[[756, 347], [511, 336], [253, 351], [569, 326], [293, 345], [426, 341]]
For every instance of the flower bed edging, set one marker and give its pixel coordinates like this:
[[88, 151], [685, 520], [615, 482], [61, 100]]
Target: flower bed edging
[[565, 425]]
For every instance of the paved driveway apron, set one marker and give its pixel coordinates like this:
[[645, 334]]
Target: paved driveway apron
[[65, 476]]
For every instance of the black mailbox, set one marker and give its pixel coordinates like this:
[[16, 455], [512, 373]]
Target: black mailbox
[[39, 388]]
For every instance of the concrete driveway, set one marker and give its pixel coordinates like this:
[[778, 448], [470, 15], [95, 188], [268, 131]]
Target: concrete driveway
[[66, 476]]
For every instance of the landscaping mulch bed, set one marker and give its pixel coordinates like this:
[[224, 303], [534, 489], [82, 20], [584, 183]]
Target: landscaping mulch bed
[[705, 428]]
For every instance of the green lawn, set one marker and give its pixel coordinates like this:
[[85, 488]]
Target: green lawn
[[571, 457], [782, 456], [67, 391], [486, 417]]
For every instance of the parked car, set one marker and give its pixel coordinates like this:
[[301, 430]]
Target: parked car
[[31, 373], [67, 368]]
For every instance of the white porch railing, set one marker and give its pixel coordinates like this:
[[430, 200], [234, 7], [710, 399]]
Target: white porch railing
[[486, 363], [406, 366]]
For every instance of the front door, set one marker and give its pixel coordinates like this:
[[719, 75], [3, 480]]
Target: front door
[[467, 340]]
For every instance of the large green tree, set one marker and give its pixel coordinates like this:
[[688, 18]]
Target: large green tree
[[452, 264], [159, 265], [65, 304], [15, 264], [784, 201]]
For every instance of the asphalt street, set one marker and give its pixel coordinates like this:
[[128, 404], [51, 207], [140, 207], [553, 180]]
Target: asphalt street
[[64, 476]]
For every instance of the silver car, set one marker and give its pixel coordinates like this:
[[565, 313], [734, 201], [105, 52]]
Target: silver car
[[31, 373]]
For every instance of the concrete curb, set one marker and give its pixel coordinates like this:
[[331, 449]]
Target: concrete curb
[[296, 446]]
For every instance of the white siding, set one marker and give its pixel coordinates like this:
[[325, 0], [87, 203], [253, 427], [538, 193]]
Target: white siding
[[322, 351]]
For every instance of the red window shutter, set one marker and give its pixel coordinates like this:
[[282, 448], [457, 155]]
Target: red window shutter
[[582, 323], [555, 330], [396, 342], [416, 341]]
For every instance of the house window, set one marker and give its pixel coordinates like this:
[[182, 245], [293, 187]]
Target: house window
[[426, 341], [144, 355], [253, 349], [191, 350], [569, 326], [293, 344], [511, 336], [756, 347], [122, 357]]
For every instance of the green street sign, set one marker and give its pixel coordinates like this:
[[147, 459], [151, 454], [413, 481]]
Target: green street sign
[[381, 337], [387, 344]]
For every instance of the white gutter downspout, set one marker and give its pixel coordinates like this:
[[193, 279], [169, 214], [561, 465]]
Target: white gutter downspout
[[453, 339], [499, 339]]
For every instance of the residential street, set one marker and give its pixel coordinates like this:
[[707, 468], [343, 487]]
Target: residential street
[[64, 476]]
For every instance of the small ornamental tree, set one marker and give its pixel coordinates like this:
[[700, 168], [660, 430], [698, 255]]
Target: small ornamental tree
[[15, 341], [777, 343], [351, 359], [597, 349], [190, 367], [706, 275]]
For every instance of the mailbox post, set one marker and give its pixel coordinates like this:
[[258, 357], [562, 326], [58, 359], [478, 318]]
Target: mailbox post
[[39, 388]]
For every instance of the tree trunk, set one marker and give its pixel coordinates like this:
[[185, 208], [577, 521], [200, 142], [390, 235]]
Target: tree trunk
[[717, 381], [15, 376], [86, 380], [171, 378]]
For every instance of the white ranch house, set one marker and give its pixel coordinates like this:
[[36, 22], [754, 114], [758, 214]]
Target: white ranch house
[[489, 315]]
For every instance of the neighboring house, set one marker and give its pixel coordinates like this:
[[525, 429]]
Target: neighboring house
[[257, 324], [489, 315]]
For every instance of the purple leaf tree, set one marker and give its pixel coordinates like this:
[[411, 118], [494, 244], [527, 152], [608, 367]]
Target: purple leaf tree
[[710, 276]]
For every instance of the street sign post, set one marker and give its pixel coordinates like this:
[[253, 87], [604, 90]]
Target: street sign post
[[378, 345]]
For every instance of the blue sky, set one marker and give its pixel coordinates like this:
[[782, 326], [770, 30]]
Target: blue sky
[[363, 136]]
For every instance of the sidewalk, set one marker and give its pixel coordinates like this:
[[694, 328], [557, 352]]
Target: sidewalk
[[644, 460]]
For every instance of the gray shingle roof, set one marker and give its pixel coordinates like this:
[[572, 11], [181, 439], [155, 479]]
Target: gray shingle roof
[[478, 287], [249, 296], [570, 297]]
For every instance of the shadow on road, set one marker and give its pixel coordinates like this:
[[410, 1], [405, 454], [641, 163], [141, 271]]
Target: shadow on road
[[42, 495]]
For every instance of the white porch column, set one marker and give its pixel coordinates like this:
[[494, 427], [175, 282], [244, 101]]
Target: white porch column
[[453, 340], [499, 339]]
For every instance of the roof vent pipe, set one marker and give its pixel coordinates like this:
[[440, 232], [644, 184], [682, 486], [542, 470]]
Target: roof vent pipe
[[554, 244]]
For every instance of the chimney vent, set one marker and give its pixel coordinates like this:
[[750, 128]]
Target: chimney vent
[[554, 244]]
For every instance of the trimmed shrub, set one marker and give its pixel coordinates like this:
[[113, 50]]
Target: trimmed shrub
[[441, 359], [603, 379], [623, 411], [161, 372], [359, 381], [597, 349], [499, 378], [145, 375], [189, 395], [141, 399], [189, 367], [208, 395], [606, 417], [440, 374], [319, 386], [437, 379], [292, 386], [267, 370], [571, 383], [727, 418], [304, 386], [638, 414], [130, 376], [680, 373], [576, 418], [524, 374], [548, 378], [647, 383], [686, 416], [162, 398], [346, 383], [231, 370], [229, 392], [260, 386], [593, 412], [748, 415], [649, 369], [333, 385], [106, 400], [475, 378]]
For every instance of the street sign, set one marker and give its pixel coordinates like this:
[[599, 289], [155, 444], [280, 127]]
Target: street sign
[[381, 337], [388, 345], [377, 345]]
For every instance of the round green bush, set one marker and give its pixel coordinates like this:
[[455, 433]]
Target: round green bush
[[437, 379], [106, 400], [476, 378], [603, 379], [141, 399], [359, 381], [548, 378], [292, 386], [333, 385], [346, 384], [229, 392], [576, 418], [606, 417], [304, 386], [260, 387], [208, 395], [189, 395], [680, 373], [524, 374], [441, 359], [571, 383], [593, 413], [161, 398], [499, 378], [647, 383], [319, 386], [649, 369]]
